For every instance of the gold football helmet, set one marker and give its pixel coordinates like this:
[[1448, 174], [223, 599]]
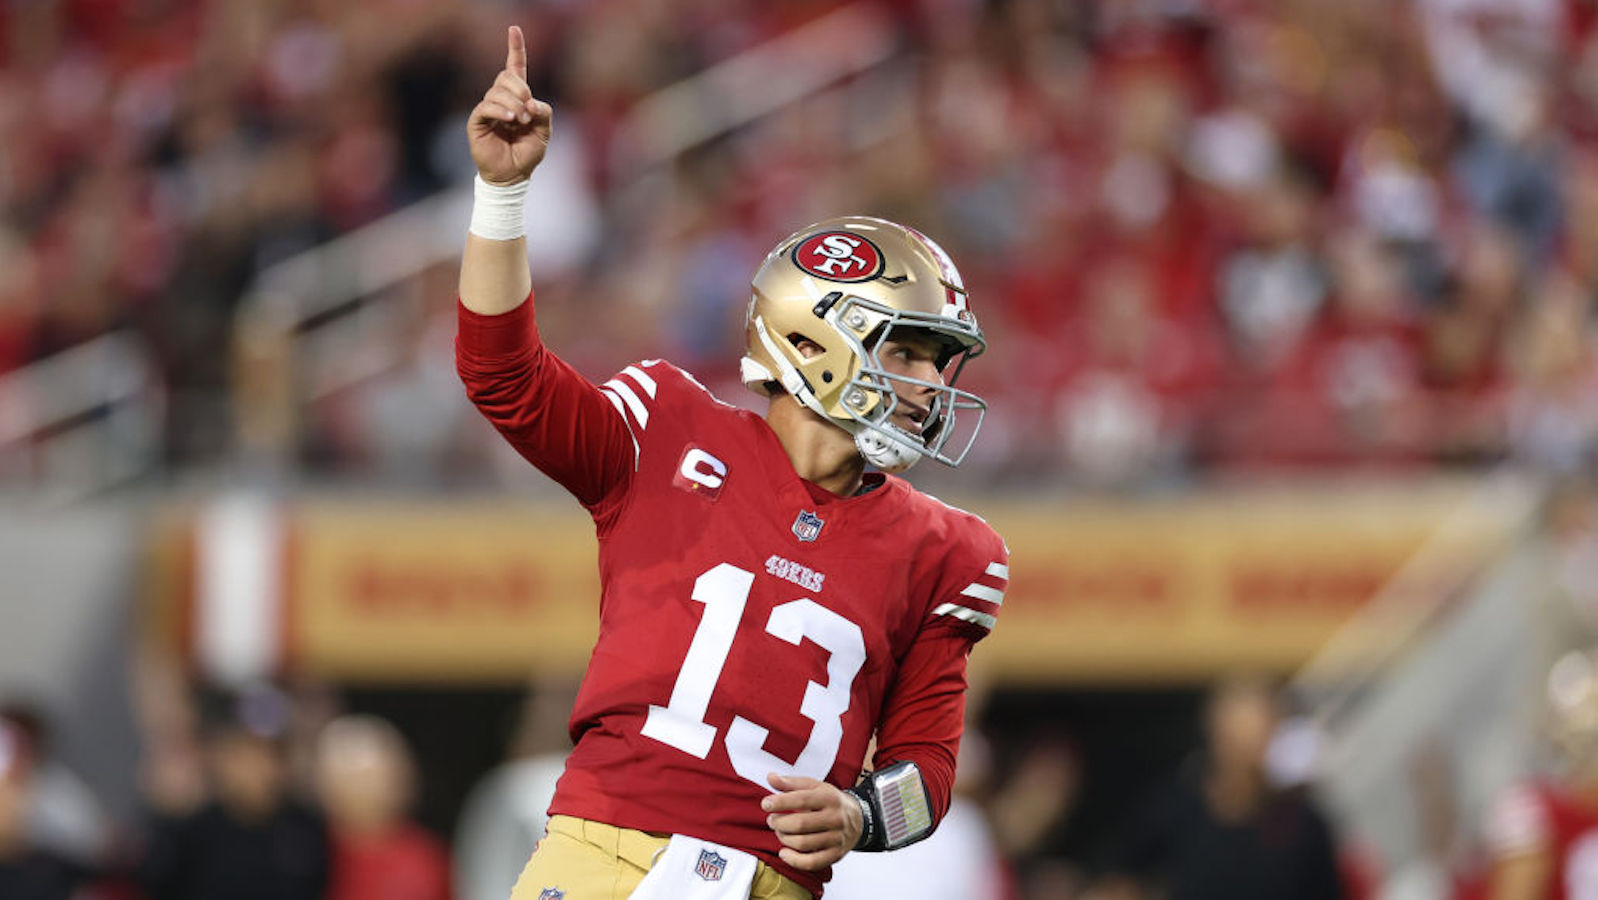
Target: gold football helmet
[[846, 284]]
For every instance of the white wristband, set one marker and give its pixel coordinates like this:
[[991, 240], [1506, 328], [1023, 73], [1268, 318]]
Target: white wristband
[[497, 209]]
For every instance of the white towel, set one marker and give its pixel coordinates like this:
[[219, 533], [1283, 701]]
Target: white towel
[[692, 869]]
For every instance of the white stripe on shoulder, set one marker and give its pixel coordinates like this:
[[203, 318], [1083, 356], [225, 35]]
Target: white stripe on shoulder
[[707, 391], [639, 411], [983, 592], [965, 614], [999, 570], [616, 402], [947, 505], [644, 381]]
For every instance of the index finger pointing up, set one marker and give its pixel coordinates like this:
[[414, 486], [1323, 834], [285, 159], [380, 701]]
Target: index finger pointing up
[[516, 52]]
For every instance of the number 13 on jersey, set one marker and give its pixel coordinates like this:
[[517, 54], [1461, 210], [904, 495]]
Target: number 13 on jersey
[[724, 590]]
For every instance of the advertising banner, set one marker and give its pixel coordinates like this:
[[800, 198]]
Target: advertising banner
[[1155, 591]]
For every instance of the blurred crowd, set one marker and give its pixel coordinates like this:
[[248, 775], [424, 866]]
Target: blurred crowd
[[281, 795], [244, 807], [284, 795], [1203, 235]]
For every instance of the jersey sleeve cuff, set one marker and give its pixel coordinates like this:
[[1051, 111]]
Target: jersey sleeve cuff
[[505, 334]]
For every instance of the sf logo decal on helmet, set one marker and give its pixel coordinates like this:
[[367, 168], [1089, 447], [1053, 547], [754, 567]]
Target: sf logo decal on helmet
[[839, 256]]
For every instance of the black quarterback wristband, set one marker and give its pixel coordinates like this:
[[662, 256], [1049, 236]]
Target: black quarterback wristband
[[895, 808]]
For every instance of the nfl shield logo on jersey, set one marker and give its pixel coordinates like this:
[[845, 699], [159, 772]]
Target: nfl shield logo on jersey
[[808, 526], [551, 894], [711, 865]]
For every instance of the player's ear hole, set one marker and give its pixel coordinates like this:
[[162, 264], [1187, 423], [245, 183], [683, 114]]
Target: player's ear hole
[[807, 348]]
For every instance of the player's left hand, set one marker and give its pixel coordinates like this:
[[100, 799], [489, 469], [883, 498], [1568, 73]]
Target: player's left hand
[[816, 822]]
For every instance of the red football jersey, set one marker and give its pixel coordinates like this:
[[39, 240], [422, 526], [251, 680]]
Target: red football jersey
[[1543, 816], [750, 622]]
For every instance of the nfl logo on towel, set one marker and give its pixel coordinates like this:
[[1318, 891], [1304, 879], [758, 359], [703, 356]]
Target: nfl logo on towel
[[808, 526], [551, 894], [711, 865]]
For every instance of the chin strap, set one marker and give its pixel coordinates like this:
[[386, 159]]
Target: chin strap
[[886, 454]]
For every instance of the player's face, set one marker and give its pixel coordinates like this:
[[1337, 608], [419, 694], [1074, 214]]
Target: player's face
[[911, 353], [1242, 719], [364, 783], [250, 771]]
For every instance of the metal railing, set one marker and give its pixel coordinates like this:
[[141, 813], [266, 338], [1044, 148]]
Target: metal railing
[[82, 421]]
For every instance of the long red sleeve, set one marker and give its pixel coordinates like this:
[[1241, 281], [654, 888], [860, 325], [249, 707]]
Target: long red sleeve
[[554, 417], [924, 715]]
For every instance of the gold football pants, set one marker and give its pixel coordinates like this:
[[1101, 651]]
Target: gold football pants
[[580, 859]]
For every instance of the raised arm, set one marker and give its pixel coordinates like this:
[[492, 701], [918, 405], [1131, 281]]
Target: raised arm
[[509, 133], [556, 419]]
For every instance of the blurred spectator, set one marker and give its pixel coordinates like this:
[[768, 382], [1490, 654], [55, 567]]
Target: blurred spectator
[[365, 779], [1335, 227], [1572, 523], [1553, 415], [27, 871], [398, 423], [1272, 287], [1355, 376], [1444, 867], [959, 861], [1133, 382], [1223, 830], [64, 815], [506, 812], [250, 840], [1463, 361], [1030, 808]]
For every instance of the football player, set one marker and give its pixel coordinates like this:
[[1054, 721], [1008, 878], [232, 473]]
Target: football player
[[1542, 835], [767, 602]]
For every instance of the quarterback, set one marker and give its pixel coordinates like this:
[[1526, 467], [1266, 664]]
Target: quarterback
[[773, 597]]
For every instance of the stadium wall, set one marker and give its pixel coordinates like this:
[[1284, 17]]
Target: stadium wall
[[69, 599]]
